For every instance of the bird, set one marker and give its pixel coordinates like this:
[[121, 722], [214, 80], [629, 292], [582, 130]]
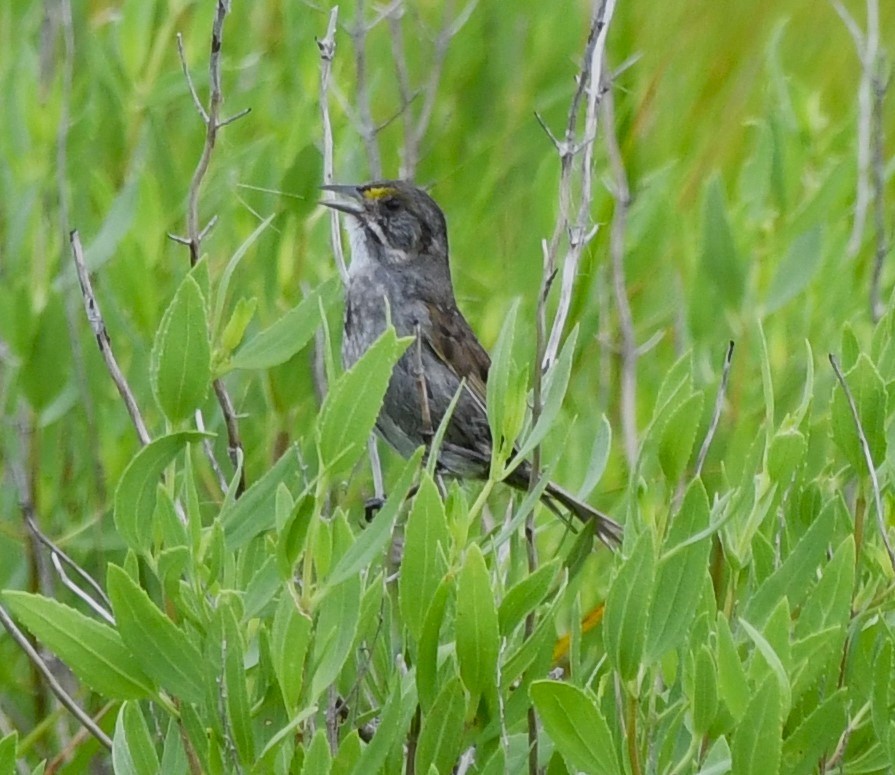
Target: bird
[[400, 274]]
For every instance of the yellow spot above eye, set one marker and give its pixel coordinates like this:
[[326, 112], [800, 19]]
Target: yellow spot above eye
[[378, 192]]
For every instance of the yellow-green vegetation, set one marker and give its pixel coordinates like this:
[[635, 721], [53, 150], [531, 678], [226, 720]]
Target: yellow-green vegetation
[[248, 615]]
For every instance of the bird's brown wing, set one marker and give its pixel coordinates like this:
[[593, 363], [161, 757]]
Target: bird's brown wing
[[452, 341]]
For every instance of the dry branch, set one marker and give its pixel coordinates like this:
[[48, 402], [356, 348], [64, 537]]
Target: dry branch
[[213, 122]]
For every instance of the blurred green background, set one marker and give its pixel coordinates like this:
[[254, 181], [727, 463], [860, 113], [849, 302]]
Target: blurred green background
[[737, 123]]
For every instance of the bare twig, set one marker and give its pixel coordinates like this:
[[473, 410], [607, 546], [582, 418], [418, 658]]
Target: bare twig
[[579, 234], [209, 453], [366, 127], [415, 127], [200, 108], [98, 326], [627, 344], [867, 47], [878, 166], [835, 760], [78, 592], [67, 753], [63, 696], [716, 413], [58, 555], [868, 459], [405, 91], [327, 47], [213, 122]]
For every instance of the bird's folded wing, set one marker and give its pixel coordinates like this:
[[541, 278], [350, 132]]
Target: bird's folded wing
[[452, 341]]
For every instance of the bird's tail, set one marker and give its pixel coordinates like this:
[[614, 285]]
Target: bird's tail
[[607, 529]]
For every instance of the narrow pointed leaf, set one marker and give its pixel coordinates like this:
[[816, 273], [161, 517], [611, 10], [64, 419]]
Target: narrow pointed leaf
[[181, 356], [94, 651], [162, 648], [575, 725], [135, 495]]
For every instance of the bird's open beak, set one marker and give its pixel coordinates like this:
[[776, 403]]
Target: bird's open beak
[[350, 199]]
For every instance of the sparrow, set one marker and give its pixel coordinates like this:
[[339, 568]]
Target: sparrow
[[400, 273]]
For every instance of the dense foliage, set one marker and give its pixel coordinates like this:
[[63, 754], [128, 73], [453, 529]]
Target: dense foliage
[[746, 623]]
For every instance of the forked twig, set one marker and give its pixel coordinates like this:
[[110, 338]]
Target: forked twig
[[213, 122]]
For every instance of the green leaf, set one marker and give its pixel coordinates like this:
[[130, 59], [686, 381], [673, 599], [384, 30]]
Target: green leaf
[[677, 437], [318, 759], [8, 748], [786, 454], [255, 511], [224, 284], [292, 529], [871, 400], [851, 347], [378, 533], [775, 665], [522, 598], [881, 704], [46, 368], [556, 382], [174, 759], [627, 608], [236, 693], [476, 623], [796, 270], [181, 356], [720, 264], [394, 721], [541, 642], [337, 620], [132, 750], [829, 603], [816, 736], [280, 341], [575, 725], [162, 648], [94, 651], [427, 660], [814, 656], [348, 755], [793, 578], [732, 685], [289, 642], [136, 492], [426, 548], [502, 380], [441, 737], [680, 577], [240, 318], [757, 738], [678, 380], [599, 456], [704, 698], [353, 402]]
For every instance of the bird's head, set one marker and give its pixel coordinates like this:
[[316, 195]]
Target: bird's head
[[392, 222]]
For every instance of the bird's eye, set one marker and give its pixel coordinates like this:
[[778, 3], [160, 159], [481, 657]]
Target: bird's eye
[[392, 205]]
